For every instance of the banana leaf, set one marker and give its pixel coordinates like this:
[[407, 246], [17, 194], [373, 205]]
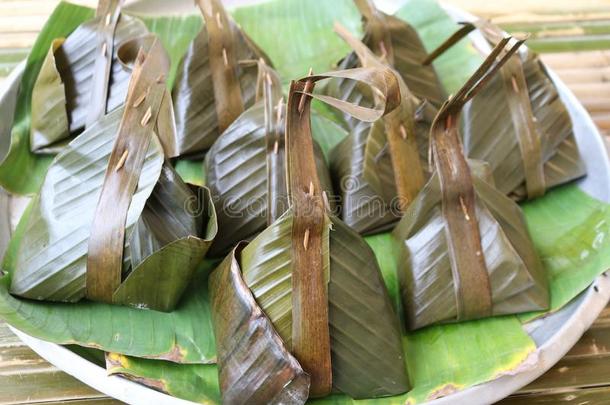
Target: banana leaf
[[563, 161], [193, 382], [162, 245], [378, 168], [436, 354], [176, 32], [326, 132], [395, 42], [305, 271], [579, 241], [247, 340], [64, 95], [245, 170], [183, 335], [191, 171], [535, 148], [434, 362], [434, 25], [213, 86], [465, 252], [297, 31]]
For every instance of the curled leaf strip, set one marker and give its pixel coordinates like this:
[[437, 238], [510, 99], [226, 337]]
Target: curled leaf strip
[[227, 90], [399, 131], [382, 82], [471, 278], [519, 103], [310, 328], [106, 243], [310, 333]]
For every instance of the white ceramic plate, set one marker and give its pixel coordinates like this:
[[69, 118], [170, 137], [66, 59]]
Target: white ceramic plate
[[554, 334]]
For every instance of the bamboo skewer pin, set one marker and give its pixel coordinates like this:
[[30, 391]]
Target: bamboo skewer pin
[[122, 161], [306, 89], [403, 132], [141, 99], [326, 202], [514, 82], [306, 239], [146, 117], [278, 117], [464, 209], [225, 58]]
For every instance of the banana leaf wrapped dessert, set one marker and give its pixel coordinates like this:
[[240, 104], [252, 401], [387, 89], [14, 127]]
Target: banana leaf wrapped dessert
[[535, 148], [245, 166], [399, 45], [213, 84], [110, 222], [289, 307], [378, 169], [465, 252], [81, 78]]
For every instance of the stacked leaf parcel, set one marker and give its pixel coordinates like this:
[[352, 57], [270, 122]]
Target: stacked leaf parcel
[[289, 306], [465, 252], [533, 147], [378, 169], [210, 91], [245, 166], [109, 222], [82, 78]]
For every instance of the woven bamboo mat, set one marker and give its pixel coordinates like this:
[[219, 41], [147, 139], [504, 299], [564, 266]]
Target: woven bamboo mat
[[574, 39]]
